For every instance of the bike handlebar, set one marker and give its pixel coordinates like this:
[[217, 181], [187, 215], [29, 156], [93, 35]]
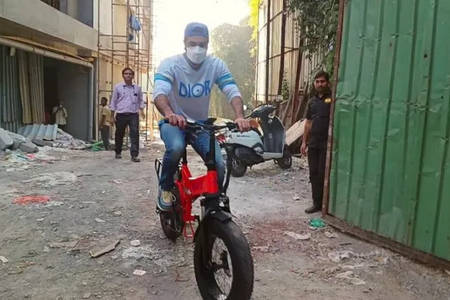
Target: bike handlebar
[[194, 125]]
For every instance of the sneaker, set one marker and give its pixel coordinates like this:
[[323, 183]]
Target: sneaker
[[312, 209], [135, 159], [118, 156], [165, 200]]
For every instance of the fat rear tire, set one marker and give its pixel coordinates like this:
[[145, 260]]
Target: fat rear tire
[[172, 221]]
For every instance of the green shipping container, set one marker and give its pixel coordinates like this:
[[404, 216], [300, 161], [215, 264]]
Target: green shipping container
[[390, 169]]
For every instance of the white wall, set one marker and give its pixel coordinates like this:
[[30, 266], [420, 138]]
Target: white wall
[[41, 17]]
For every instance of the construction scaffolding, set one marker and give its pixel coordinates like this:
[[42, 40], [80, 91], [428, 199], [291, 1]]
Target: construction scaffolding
[[281, 62], [125, 40]]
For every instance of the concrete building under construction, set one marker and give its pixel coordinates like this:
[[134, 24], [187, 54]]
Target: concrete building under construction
[[71, 51]]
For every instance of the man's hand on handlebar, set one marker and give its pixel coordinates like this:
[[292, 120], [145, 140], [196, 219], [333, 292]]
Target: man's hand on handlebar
[[242, 124], [176, 120]]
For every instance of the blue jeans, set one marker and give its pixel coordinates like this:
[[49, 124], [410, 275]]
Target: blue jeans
[[175, 140]]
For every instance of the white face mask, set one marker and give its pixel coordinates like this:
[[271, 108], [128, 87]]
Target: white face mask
[[196, 54]]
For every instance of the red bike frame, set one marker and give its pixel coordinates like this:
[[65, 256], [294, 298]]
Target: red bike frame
[[192, 188]]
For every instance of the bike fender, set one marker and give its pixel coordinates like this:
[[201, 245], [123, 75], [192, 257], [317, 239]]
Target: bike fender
[[219, 215]]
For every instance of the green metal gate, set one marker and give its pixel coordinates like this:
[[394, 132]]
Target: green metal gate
[[390, 171]]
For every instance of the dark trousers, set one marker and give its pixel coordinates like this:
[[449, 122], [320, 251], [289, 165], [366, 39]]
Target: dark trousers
[[316, 162], [132, 121], [104, 131]]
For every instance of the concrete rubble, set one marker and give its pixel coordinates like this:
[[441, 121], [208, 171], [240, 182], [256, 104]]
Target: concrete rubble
[[65, 140], [10, 140], [5, 140], [17, 150]]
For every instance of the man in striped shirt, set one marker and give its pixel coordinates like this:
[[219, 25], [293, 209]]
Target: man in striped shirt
[[182, 91]]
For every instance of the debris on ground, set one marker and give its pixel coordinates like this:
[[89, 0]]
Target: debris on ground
[[178, 277], [13, 141], [338, 256], [298, 236], [3, 259], [350, 277], [65, 140], [28, 147], [98, 220], [42, 143], [5, 140], [24, 200], [51, 135], [263, 249], [316, 223], [100, 251], [28, 232], [15, 156], [97, 147], [68, 245], [139, 272], [135, 243], [52, 179], [330, 235]]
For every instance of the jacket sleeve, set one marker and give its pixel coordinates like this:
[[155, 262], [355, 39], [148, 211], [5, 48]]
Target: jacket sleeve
[[163, 80], [226, 82]]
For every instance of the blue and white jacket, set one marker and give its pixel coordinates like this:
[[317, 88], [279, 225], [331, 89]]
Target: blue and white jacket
[[189, 90]]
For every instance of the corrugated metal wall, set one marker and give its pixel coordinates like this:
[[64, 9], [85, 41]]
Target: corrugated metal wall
[[10, 107], [21, 88], [36, 87], [391, 162]]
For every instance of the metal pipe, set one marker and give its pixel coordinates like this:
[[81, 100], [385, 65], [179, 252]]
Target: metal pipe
[[44, 52], [97, 71], [127, 30], [91, 103], [283, 42], [269, 3], [337, 56], [96, 97], [298, 71]]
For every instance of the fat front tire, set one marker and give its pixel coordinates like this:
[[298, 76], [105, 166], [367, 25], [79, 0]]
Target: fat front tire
[[223, 262]]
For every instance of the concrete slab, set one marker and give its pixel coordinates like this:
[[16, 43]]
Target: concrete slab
[[5, 140], [28, 147]]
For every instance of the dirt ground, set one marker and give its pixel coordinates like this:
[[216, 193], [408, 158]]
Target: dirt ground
[[95, 201]]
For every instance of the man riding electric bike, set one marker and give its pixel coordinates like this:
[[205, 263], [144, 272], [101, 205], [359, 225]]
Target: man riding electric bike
[[222, 259], [182, 91]]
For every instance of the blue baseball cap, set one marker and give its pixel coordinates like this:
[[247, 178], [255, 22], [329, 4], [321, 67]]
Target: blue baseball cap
[[196, 29]]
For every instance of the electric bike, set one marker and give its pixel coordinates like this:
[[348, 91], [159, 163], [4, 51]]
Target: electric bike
[[222, 260]]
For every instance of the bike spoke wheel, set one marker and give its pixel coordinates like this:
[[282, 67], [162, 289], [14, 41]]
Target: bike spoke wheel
[[223, 263]]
